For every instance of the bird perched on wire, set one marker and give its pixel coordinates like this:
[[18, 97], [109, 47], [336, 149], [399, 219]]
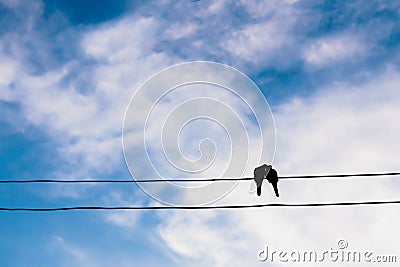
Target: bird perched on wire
[[266, 172]]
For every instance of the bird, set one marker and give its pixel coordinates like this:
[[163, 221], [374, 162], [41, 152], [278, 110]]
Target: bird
[[266, 172]]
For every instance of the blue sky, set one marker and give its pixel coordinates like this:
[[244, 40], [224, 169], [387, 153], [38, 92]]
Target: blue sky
[[329, 70]]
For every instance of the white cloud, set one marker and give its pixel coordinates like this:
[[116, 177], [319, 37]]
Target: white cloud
[[178, 31], [271, 40], [257, 41], [8, 72], [201, 240], [126, 219], [333, 49], [76, 256], [259, 9], [216, 6], [121, 41]]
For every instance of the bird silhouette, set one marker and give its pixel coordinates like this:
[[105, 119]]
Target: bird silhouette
[[266, 172]]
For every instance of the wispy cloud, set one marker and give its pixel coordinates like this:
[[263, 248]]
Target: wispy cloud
[[334, 50]]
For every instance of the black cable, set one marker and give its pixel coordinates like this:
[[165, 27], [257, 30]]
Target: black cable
[[199, 180], [205, 207], [341, 175]]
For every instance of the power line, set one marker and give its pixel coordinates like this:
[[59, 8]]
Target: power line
[[304, 205], [199, 180]]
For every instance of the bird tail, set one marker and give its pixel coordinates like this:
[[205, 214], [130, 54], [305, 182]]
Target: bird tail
[[275, 185], [259, 190]]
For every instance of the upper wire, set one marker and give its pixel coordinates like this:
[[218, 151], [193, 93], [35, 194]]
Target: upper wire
[[320, 176]]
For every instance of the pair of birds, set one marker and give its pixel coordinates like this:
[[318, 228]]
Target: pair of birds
[[266, 172]]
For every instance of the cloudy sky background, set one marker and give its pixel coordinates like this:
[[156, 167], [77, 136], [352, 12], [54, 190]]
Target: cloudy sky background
[[330, 72]]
